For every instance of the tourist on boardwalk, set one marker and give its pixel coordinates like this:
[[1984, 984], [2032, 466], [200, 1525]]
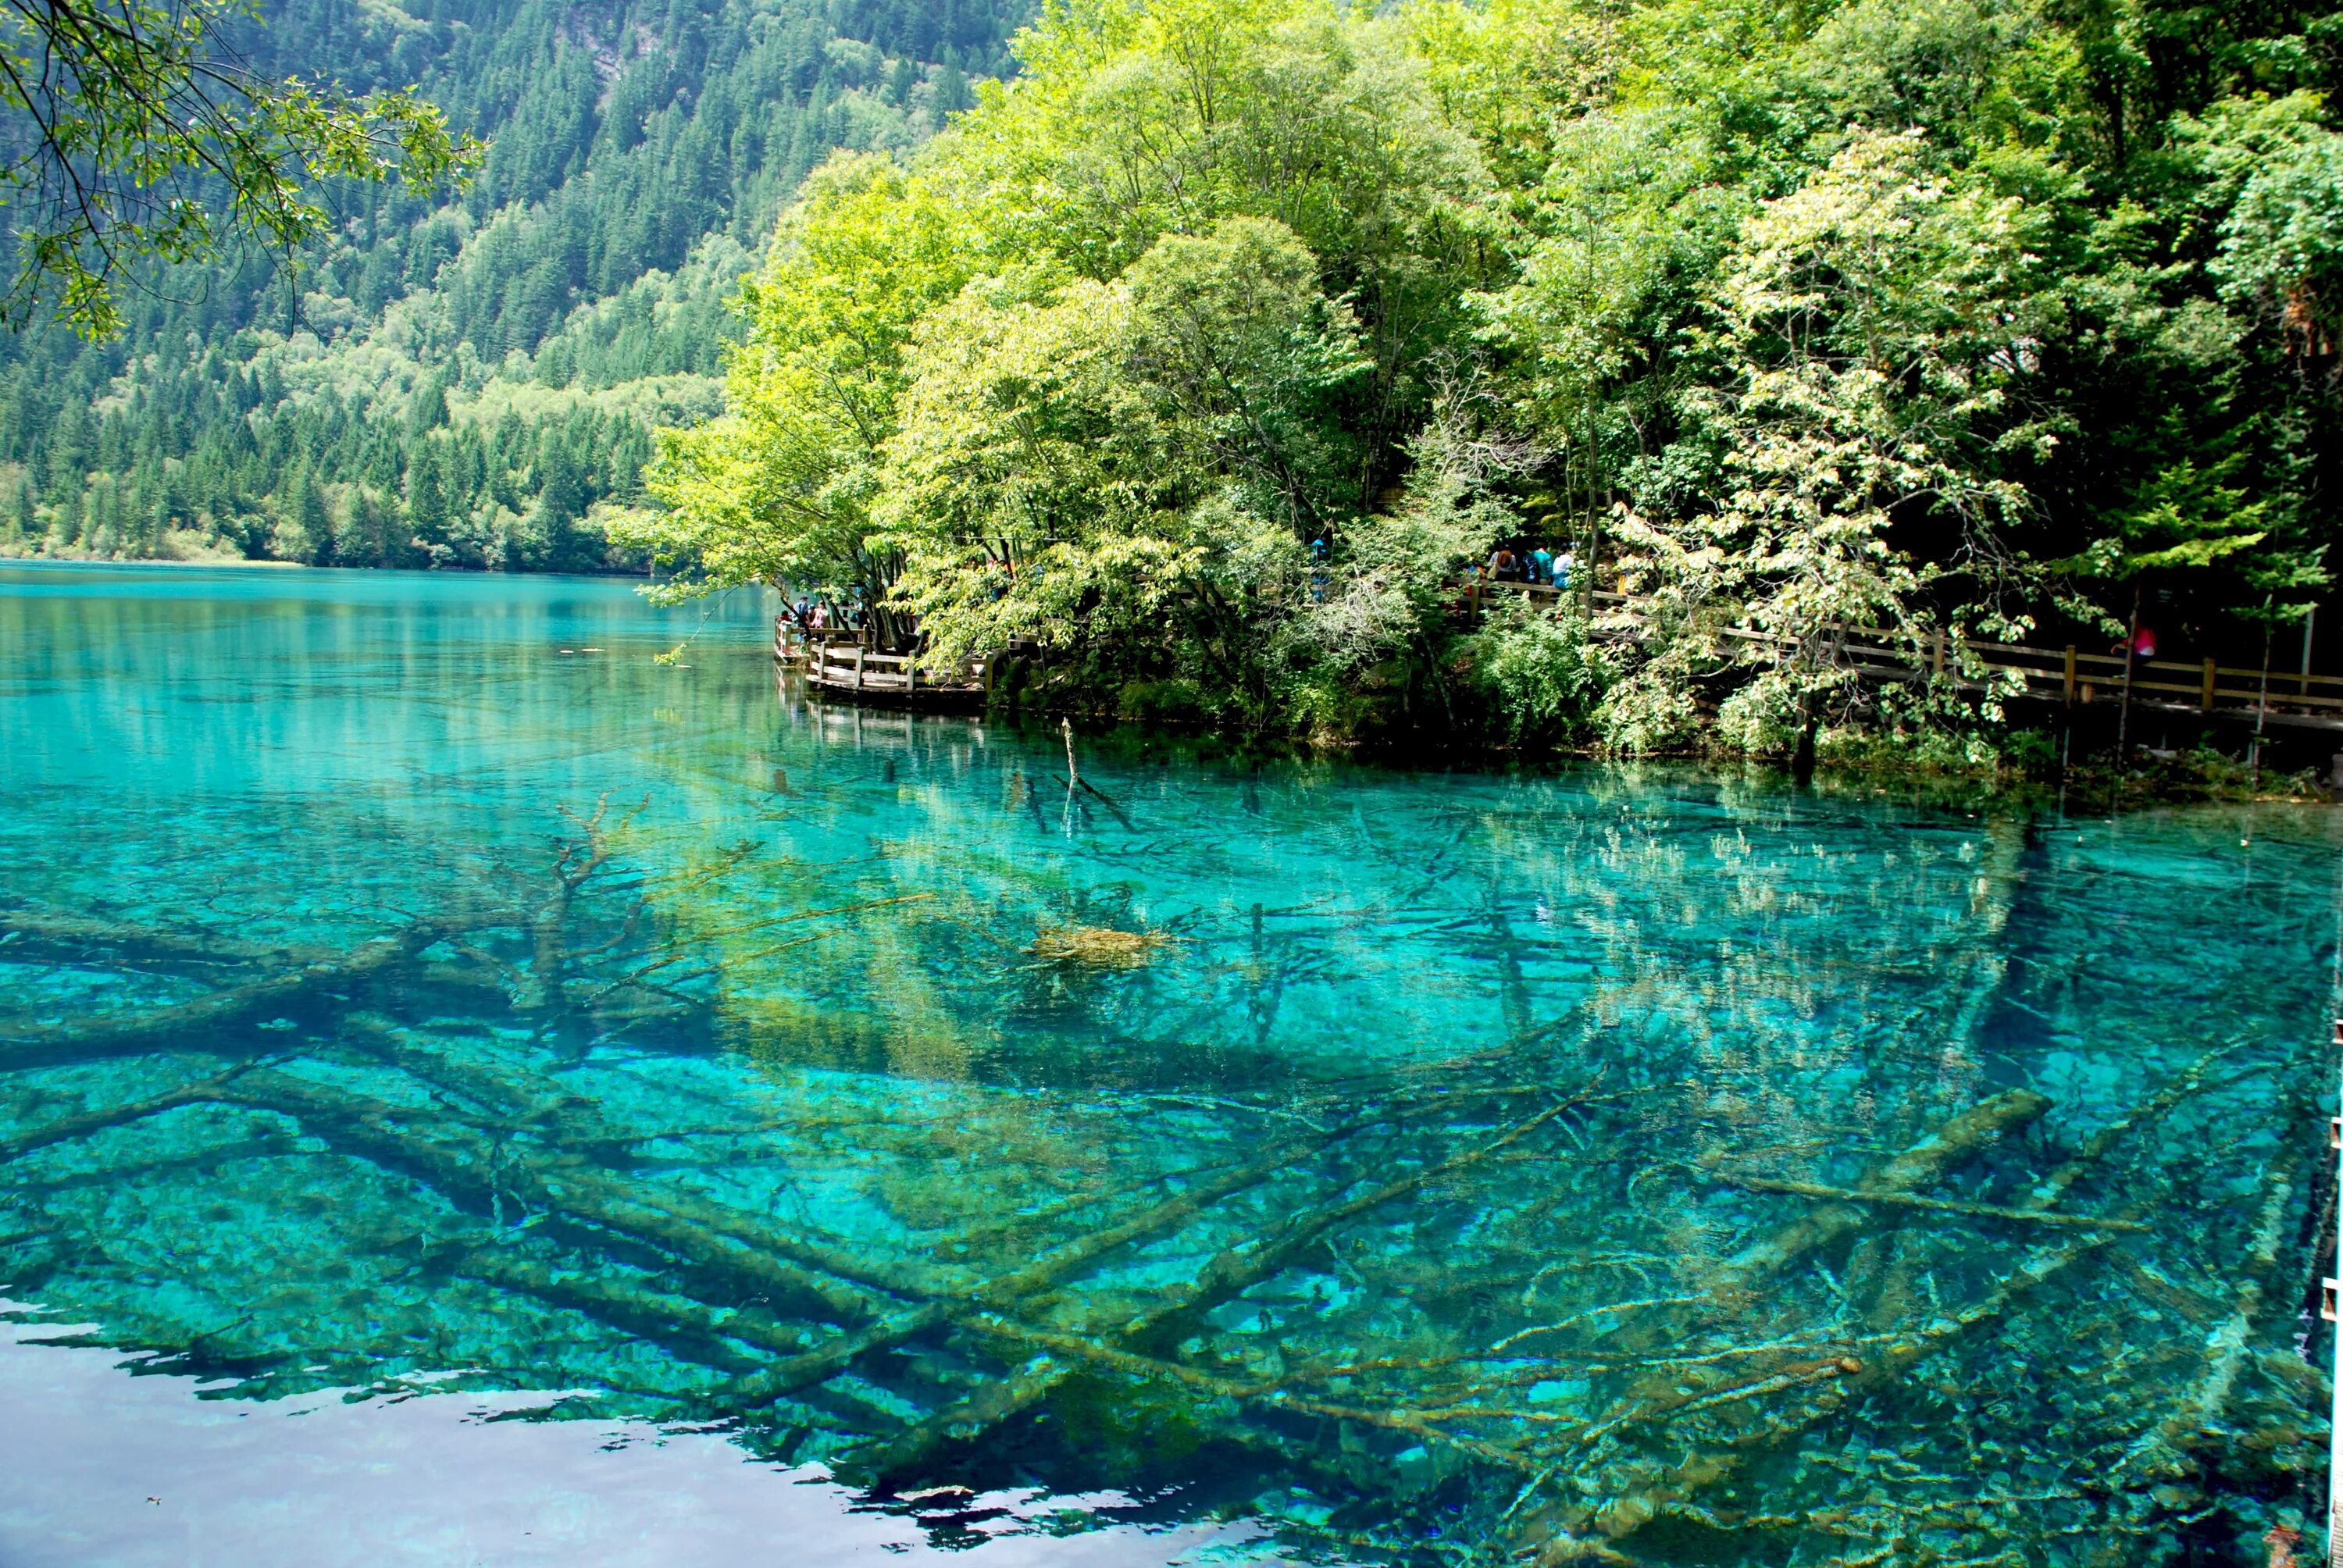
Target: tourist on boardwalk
[[1541, 565]]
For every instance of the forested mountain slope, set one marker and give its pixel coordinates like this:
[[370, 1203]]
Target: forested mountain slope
[[465, 379]]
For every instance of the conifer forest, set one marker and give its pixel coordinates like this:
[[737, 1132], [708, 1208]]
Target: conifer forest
[[469, 377]]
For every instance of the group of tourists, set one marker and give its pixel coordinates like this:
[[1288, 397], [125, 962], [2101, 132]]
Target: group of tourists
[[819, 615], [1536, 565]]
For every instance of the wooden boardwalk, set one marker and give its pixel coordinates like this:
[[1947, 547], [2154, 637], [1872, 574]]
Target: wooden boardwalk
[[837, 664], [2061, 675]]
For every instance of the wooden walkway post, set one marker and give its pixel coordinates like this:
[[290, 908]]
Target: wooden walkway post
[[2070, 675], [2205, 704], [2327, 1289], [2131, 663]]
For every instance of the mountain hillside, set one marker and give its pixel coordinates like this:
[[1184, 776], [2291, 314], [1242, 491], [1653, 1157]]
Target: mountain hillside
[[470, 379]]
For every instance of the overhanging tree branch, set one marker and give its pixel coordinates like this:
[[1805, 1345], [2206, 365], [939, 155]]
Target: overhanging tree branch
[[136, 137]]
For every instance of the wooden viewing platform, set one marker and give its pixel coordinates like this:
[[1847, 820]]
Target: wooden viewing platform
[[2065, 675], [837, 663]]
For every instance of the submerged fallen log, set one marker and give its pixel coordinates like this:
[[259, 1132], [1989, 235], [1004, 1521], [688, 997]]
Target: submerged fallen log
[[1931, 1205], [205, 1091], [480, 1175], [691, 1327], [1922, 1164], [521, 1101], [1227, 1274], [182, 1026], [77, 940]]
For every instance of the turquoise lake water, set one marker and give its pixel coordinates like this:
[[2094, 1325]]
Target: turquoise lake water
[[472, 1092]]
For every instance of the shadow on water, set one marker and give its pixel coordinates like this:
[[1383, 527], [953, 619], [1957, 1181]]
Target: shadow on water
[[1610, 1166]]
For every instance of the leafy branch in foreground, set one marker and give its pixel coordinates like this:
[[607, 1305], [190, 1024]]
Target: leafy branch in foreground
[[136, 137]]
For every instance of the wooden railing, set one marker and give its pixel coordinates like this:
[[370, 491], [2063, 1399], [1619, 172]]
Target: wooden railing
[[836, 660], [2059, 674]]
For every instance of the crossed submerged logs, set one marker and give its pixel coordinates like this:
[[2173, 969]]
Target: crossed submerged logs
[[1796, 1370], [1574, 1531], [900, 1302], [518, 1136], [1140, 1350], [1134, 1350], [481, 1164], [1141, 1346]]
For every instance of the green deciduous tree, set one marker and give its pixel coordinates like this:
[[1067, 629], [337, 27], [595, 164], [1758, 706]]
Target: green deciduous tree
[[1215, 347], [779, 489], [1875, 327]]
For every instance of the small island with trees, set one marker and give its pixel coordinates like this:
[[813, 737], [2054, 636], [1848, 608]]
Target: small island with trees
[[1212, 351]]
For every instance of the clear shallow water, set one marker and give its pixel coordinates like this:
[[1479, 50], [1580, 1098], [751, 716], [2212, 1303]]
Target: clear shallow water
[[431, 1027]]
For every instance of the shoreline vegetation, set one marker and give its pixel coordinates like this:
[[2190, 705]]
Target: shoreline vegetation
[[2020, 773], [2025, 776], [187, 548], [1205, 354]]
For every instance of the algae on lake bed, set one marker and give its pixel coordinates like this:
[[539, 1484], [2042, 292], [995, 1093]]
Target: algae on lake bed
[[1614, 1165]]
